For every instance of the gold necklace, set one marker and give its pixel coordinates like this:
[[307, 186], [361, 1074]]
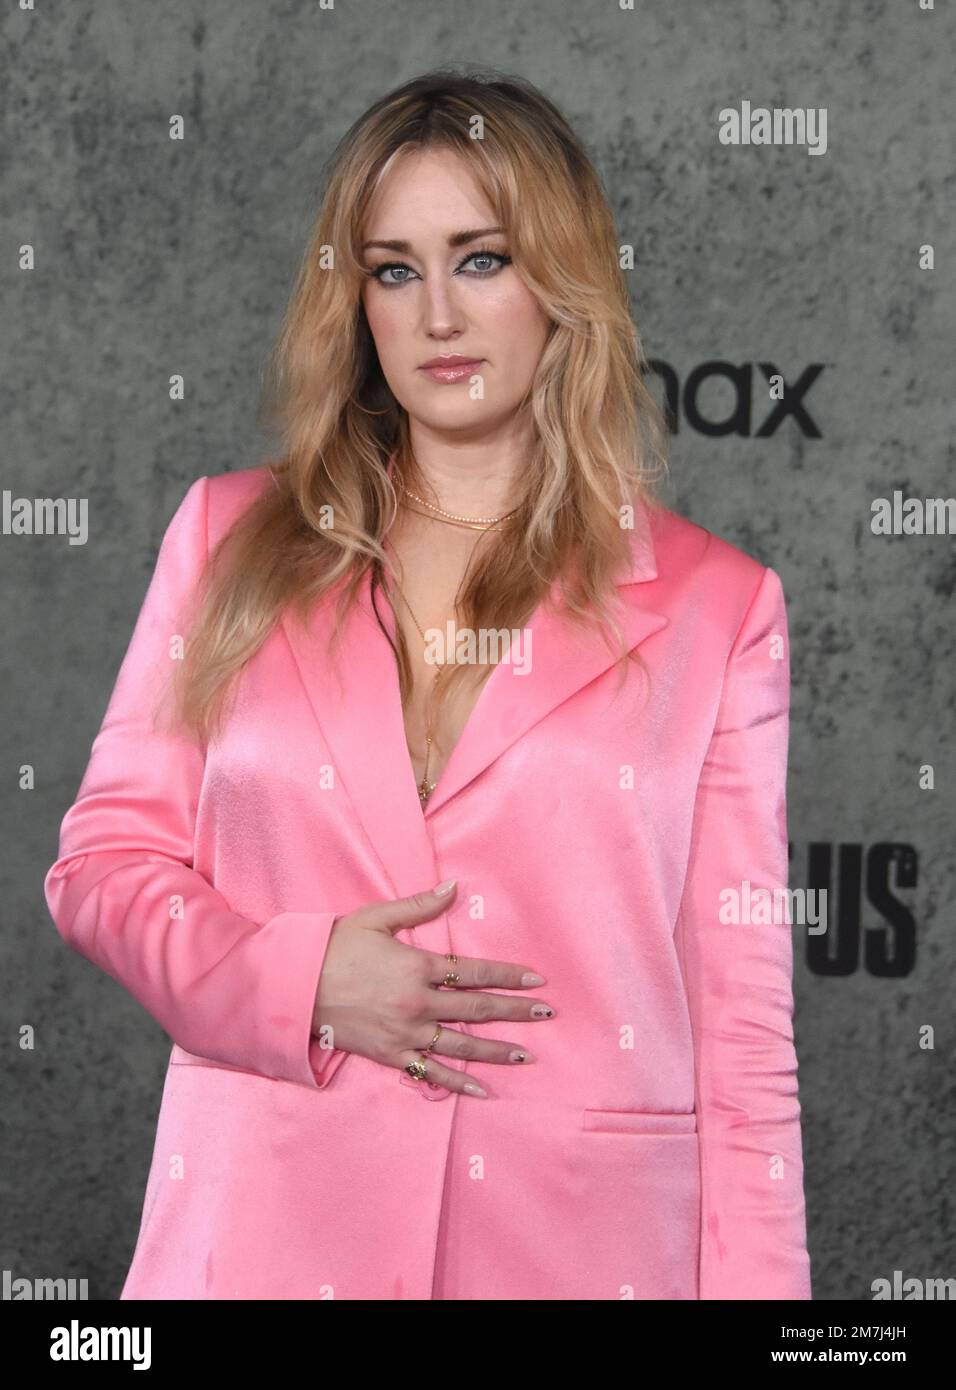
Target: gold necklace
[[425, 788], [473, 523]]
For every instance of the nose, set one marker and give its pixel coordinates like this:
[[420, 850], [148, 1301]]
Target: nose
[[441, 310]]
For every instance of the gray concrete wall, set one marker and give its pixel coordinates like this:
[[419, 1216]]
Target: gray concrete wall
[[154, 257]]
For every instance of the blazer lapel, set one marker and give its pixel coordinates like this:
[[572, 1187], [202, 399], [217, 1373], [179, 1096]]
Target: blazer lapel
[[563, 659], [356, 703]]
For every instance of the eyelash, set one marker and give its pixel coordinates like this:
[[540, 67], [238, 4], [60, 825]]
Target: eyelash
[[479, 274]]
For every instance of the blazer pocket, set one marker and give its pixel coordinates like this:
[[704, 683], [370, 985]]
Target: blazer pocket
[[641, 1121], [179, 1057]]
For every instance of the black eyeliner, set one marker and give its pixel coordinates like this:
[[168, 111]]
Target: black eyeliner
[[480, 251]]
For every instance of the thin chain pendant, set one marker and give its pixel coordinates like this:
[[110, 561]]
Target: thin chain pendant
[[425, 788]]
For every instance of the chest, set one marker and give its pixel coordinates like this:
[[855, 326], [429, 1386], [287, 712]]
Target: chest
[[557, 776], [425, 603], [552, 762], [437, 709]]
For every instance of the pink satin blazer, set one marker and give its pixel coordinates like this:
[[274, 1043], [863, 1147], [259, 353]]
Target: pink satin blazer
[[652, 1150]]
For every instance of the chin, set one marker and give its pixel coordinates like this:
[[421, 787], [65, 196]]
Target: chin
[[457, 414]]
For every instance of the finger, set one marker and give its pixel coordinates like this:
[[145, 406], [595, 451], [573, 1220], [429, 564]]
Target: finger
[[476, 972], [462, 1006], [400, 913], [440, 1075], [451, 1043]]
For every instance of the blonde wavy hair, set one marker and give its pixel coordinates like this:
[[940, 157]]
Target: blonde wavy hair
[[599, 435]]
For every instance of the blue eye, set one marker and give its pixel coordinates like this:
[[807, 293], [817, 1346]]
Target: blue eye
[[483, 254], [380, 271], [486, 256]]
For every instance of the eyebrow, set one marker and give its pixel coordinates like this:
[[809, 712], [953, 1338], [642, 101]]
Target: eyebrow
[[456, 239]]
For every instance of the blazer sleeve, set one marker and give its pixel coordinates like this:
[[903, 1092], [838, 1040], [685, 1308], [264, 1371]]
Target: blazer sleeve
[[739, 979], [123, 892]]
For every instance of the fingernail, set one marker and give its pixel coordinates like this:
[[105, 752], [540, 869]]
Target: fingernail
[[445, 887], [529, 979], [517, 1057], [474, 1089], [542, 1011]]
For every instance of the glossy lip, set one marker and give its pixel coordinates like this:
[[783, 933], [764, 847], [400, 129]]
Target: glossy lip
[[451, 368], [450, 359]]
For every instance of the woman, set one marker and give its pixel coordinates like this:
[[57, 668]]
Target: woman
[[467, 441]]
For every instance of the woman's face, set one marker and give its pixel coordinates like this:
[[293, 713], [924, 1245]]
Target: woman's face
[[434, 296]]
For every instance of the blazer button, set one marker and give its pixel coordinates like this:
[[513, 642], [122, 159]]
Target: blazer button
[[424, 1088]]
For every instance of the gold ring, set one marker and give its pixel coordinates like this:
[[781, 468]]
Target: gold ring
[[451, 978], [434, 1040], [417, 1069]]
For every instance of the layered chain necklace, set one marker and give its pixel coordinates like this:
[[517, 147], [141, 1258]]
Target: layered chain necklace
[[471, 523]]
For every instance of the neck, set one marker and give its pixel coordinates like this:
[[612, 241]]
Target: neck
[[470, 478]]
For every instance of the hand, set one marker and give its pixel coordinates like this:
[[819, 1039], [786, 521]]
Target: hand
[[380, 997]]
